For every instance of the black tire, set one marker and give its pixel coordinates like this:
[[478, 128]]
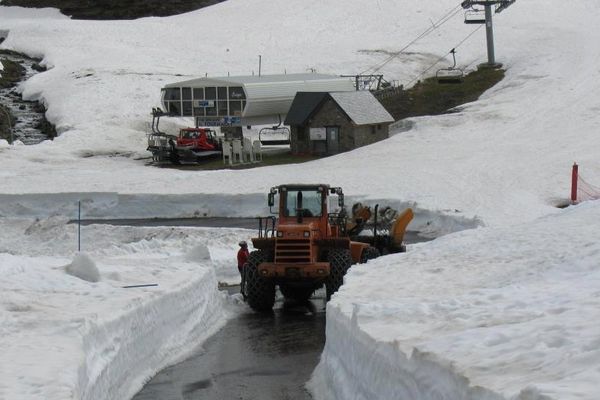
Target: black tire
[[260, 292], [340, 260], [174, 156], [368, 254], [296, 293]]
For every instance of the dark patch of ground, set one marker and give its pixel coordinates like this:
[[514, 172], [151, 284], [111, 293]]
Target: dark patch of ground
[[13, 72], [428, 97], [14, 111], [268, 159], [6, 123], [116, 9], [11, 75]]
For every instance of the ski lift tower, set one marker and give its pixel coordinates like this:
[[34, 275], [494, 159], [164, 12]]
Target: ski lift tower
[[499, 6]]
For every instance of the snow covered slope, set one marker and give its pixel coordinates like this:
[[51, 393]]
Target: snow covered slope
[[485, 314], [504, 158]]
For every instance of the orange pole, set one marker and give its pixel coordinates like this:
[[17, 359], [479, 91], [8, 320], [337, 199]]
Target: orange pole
[[574, 175]]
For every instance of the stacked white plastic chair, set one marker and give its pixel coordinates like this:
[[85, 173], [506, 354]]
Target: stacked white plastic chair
[[256, 150], [237, 150], [227, 153], [247, 148]]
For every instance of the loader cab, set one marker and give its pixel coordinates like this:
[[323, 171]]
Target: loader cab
[[306, 204]]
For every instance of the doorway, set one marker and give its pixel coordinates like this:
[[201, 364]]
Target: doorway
[[333, 139]]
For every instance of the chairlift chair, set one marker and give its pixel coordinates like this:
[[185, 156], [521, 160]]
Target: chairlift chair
[[474, 16], [450, 74], [277, 135]]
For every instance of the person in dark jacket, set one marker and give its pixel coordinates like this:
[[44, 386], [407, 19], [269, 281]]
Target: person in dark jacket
[[242, 258]]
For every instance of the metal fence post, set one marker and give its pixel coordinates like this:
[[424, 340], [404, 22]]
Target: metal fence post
[[79, 228]]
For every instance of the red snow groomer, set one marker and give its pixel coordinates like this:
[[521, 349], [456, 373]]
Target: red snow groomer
[[191, 145]]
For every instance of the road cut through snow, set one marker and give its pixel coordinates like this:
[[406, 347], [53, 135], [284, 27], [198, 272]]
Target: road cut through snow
[[501, 160], [498, 314]]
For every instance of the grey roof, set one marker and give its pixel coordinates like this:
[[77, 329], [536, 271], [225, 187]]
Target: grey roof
[[252, 79], [360, 106], [303, 106]]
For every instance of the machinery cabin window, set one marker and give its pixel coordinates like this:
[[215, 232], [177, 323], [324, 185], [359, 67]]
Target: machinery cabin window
[[311, 203]]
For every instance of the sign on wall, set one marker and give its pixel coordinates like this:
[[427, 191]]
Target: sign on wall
[[218, 121], [204, 103], [318, 134]]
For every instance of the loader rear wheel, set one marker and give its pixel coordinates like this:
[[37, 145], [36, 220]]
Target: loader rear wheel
[[368, 254], [260, 292], [296, 293], [340, 260]]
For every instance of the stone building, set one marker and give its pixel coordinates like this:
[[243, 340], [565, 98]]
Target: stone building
[[325, 123]]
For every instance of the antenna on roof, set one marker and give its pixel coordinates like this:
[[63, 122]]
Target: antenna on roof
[[259, 64]]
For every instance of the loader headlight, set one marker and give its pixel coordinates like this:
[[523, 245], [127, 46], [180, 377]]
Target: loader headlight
[[264, 272], [306, 233], [279, 234]]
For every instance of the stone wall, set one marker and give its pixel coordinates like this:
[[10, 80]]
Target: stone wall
[[6, 122], [351, 136]]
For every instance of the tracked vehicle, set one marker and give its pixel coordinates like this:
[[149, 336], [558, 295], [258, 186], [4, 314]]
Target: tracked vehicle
[[306, 246]]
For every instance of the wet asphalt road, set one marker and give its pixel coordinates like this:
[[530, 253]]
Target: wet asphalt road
[[254, 357]]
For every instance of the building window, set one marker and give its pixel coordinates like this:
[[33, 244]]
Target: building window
[[222, 93], [199, 112], [187, 108], [211, 111], [210, 93], [236, 93], [373, 131], [172, 94], [174, 107], [186, 93], [198, 93], [235, 108], [223, 109]]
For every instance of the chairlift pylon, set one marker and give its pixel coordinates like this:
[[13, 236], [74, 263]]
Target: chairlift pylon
[[450, 74]]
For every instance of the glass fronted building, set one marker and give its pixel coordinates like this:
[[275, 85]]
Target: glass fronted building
[[244, 100]]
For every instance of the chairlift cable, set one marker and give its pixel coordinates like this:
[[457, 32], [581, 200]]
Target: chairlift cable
[[449, 15], [444, 56], [445, 18]]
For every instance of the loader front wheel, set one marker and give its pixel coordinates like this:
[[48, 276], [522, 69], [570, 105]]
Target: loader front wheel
[[340, 260], [368, 254], [260, 292]]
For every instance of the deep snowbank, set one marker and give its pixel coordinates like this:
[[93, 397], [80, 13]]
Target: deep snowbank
[[124, 353], [63, 337], [482, 314]]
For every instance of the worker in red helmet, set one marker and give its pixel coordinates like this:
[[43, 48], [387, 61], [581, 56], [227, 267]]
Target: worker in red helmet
[[242, 259]]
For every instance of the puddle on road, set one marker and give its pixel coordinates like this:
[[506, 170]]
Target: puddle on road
[[255, 356]]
